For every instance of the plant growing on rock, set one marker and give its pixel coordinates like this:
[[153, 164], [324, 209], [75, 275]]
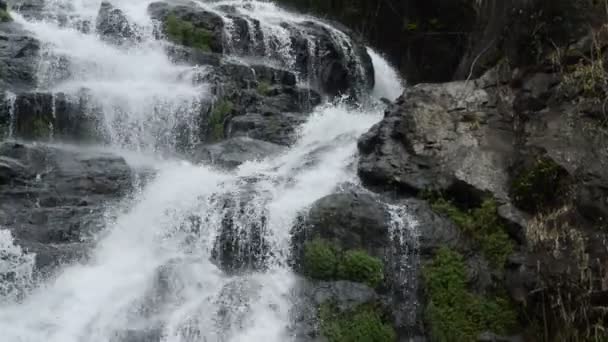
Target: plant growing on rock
[[364, 323], [320, 260], [5, 16], [483, 225], [221, 110], [325, 261], [538, 186], [185, 33], [453, 313], [359, 266]]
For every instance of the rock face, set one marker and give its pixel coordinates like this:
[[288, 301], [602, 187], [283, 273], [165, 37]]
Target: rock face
[[234, 152], [113, 25], [527, 138], [18, 58], [53, 199]]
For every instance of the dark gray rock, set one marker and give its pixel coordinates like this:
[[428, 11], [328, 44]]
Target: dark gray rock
[[53, 199], [235, 151], [113, 26], [45, 116], [350, 220], [194, 14], [18, 58]]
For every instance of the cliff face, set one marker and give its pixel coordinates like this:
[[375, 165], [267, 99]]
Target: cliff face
[[440, 40]]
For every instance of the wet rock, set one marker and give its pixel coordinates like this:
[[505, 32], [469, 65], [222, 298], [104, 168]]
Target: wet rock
[[18, 58], [45, 116], [53, 199], [235, 151], [350, 220], [113, 26], [194, 14]]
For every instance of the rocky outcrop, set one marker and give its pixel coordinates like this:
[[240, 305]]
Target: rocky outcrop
[[53, 199], [522, 138]]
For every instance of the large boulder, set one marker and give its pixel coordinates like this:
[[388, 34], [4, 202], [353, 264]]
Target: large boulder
[[53, 199], [440, 137]]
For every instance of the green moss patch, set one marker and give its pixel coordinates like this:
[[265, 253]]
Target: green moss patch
[[365, 323], [538, 186], [483, 225], [221, 110], [264, 88], [5, 16], [324, 261], [185, 33], [455, 314]]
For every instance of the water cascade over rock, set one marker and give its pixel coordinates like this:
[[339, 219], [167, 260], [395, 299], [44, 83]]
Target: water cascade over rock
[[161, 161]]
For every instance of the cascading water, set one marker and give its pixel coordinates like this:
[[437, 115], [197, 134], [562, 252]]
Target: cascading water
[[154, 274]]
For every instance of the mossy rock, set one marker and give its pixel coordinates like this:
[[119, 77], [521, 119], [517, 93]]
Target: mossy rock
[[325, 261], [364, 323], [455, 314], [538, 186], [482, 225], [185, 33]]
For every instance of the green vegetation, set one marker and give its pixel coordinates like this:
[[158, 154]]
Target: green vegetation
[[264, 87], [324, 261], [5, 16], [483, 225], [220, 111], [359, 266], [538, 186], [39, 127], [364, 323], [185, 33], [455, 314]]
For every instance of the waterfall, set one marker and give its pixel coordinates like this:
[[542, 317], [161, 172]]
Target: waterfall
[[157, 272]]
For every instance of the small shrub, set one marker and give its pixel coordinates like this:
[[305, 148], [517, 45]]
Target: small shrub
[[455, 314], [320, 260], [361, 267], [364, 323], [185, 33], [324, 261], [538, 186], [483, 225], [220, 111]]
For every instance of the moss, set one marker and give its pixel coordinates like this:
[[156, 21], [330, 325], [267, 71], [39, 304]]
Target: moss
[[220, 111], [324, 261], [5, 16], [364, 323], [357, 265], [185, 33], [537, 186], [483, 225], [264, 88], [455, 314]]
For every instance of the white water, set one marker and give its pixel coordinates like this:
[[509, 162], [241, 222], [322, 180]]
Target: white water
[[387, 82], [152, 270]]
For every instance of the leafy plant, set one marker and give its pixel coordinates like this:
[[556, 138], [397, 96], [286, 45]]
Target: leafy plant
[[537, 186], [455, 314], [364, 323], [324, 261], [481, 224], [220, 111], [185, 33]]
